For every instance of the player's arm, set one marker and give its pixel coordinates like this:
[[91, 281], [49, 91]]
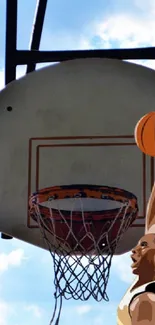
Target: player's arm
[[142, 309], [150, 213]]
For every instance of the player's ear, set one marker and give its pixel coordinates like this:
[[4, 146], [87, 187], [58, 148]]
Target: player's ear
[[150, 213]]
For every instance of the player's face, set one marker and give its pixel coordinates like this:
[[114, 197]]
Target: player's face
[[143, 255]]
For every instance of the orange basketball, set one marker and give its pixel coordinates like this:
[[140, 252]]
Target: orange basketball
[[145, 134]]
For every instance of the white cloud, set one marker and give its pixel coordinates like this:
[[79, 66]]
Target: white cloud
[[148, 7], [5, 311], [10, 312], [83, 309], [146, 63], [121, 266], [12, 259], [127, 30], [36, 310]]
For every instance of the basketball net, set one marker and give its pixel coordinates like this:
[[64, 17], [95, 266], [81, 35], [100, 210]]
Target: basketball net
[[81, 261]]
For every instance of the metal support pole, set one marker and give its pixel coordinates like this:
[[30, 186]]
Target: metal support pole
[[11, 40], [37, 30], [26, 57]]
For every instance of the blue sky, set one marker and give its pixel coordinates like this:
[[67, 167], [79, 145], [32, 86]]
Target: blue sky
[[26, 272]]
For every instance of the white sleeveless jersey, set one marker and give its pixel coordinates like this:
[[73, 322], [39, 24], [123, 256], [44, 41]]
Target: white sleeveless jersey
[[123, 316]]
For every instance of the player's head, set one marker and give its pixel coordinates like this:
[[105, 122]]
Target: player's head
[[143, 256]]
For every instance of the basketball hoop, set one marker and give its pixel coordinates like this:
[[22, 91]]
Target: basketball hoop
[[82, 225]]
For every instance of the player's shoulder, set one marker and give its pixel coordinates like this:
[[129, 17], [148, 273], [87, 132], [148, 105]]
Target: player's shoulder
[[142, 302], [146, 296]]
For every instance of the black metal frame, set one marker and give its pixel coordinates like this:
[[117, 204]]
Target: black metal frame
[[30, 57]]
